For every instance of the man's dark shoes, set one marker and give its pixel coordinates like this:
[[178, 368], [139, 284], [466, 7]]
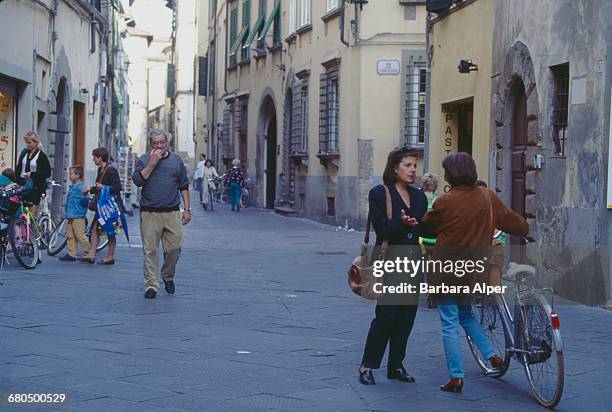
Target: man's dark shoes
[[86, 260], [169, 286], [366, 377], [67, 258], [150, 294], [400, 375]]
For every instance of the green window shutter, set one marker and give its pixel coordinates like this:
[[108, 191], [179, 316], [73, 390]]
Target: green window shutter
[[246, 22], [233, 34], [256, 27], [275, 12], [202, 75], [238, 41]]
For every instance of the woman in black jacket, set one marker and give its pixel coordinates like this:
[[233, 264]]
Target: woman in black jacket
[[394, 314], [107, 176], [33, 164]]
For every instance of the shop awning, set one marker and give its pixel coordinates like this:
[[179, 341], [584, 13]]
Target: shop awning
[[275, 12], [239, 40], [256, 27]]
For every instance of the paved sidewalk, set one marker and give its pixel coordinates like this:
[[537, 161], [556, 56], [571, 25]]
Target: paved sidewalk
[[262, 319]]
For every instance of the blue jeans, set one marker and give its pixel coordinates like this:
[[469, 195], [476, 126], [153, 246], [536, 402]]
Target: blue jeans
[[453, 315], [234, 194]]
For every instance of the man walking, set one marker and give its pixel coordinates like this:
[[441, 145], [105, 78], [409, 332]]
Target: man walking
[[163, 178]]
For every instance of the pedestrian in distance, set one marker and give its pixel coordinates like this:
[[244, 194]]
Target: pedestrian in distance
[[107, 176], [162, 176], [394, 319], [33, 165], [464, 220], [75, 212], [208, 172], [234, 181], [198, 179]]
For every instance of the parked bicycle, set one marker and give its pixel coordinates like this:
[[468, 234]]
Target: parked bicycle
[[530, 334], [44, 225], [15, 228], [59, 237]]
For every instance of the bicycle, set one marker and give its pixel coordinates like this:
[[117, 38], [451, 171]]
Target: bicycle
[[244, 194], [15, 219], [59, 237], [44, 225], [531, 336]]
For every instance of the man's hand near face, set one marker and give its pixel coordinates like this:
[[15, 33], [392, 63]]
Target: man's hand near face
[[154, 157]]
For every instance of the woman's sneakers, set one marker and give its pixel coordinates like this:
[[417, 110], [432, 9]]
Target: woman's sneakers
[[366, 377], [453, 385]]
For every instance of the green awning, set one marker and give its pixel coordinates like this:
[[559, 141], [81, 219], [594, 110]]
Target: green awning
[[239, 40], [273, 15], [253, 33]]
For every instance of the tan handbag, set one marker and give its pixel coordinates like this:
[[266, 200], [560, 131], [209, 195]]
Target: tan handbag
[[361, 277]]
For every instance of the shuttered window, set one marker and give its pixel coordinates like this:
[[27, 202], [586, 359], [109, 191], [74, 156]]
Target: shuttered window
[[227, 144], [202, 75]]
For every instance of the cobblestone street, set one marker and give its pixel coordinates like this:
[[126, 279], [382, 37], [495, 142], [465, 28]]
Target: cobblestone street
[[262, 319]]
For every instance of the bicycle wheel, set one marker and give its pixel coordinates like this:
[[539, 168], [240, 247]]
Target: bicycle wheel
[[58, 238], [102, 240], [23, 243], [46, 226], [487, 313], [544, 364], [244, 198], [210, 199]]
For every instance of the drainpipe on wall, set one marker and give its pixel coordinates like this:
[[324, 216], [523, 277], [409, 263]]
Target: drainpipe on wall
[[342, 13], [427, 93]]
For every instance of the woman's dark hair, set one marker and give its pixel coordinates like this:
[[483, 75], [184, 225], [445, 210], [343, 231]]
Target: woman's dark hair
[[208, 162], [459, 169], [394, 159], [481, 183], [100, 152]]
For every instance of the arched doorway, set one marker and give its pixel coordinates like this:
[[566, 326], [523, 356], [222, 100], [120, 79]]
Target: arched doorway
[[266, 160], [270, 163]]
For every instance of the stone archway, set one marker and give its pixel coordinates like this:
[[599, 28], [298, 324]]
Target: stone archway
[[517, 90]]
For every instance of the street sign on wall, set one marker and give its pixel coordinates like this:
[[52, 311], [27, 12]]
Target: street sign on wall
[[388, 67]]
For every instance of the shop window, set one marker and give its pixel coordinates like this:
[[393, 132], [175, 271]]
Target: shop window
[[560, 75]]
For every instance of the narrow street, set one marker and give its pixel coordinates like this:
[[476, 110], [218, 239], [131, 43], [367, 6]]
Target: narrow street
[[262, 319]]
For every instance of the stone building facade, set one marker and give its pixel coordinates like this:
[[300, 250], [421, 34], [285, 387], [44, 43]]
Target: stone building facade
[[312, 95], [56, 78]]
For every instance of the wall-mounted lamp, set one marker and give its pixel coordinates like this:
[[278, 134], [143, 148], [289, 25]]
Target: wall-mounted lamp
[[466, 66]]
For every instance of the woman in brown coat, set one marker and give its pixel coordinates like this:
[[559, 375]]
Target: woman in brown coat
[[463, 221]]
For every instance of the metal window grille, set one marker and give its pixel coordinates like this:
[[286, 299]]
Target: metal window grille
[[299, 121], [560, 107], [246, 22], [227, 146], [414, 108], [233, 31], [329, 112], [241, 126]]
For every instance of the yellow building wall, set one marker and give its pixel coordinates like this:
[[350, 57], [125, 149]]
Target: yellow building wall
[[465, 33]]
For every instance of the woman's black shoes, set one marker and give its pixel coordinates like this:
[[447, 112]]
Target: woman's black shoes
[[366, 377], [400, 375], [453, 385]]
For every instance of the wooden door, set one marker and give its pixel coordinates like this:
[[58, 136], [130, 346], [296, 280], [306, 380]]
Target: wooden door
[[78, 132]]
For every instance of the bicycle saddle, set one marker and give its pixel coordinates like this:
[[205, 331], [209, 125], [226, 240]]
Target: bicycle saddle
[[514, 269]]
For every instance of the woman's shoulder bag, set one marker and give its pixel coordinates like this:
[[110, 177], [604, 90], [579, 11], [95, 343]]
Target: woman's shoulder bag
[[361, 277]]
